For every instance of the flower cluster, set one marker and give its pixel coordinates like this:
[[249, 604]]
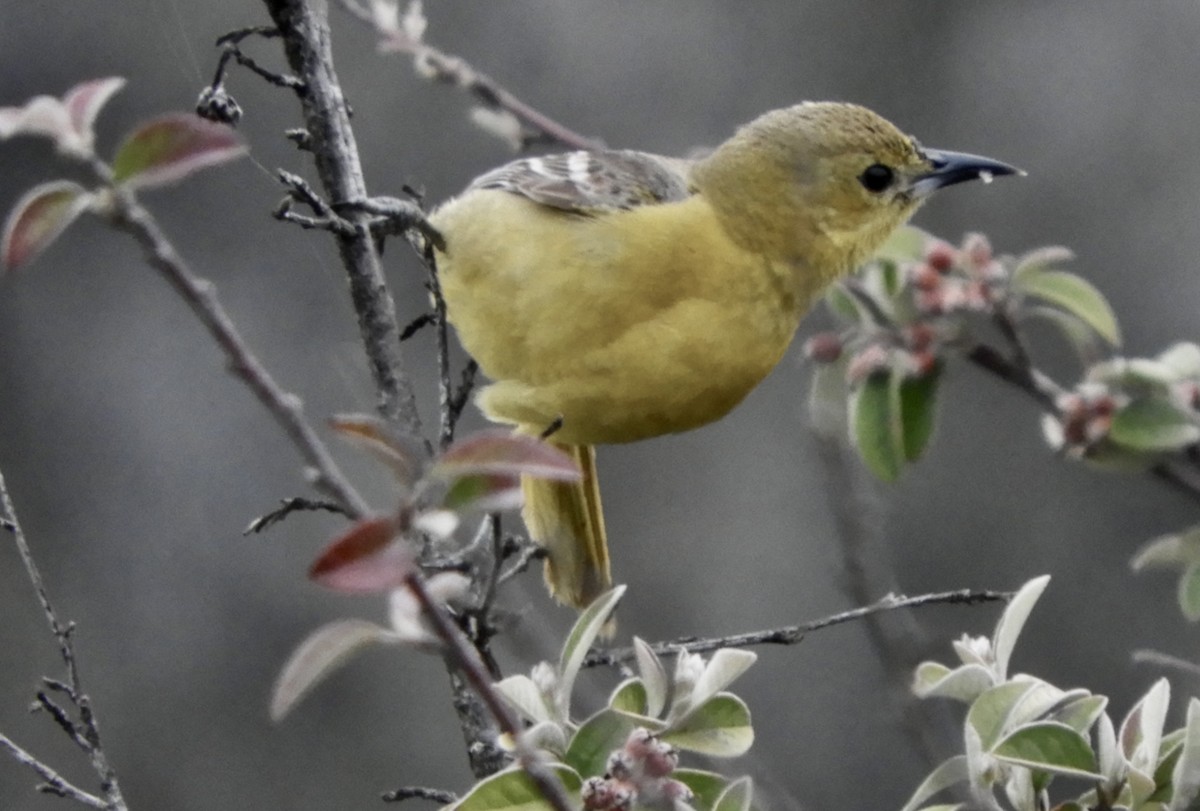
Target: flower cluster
[[638, 773]]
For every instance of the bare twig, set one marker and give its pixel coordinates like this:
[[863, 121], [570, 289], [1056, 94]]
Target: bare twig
[[794, 634], [1153, 657], [466, 661], [286, 507], [85, 732], [395, 36], [54, 782], [201, 296], [304, 27], [420, 793]]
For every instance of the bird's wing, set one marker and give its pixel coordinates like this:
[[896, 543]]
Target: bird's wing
[[592, 182]]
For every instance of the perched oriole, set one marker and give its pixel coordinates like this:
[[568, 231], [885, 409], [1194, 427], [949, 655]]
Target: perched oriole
[[622, 295]]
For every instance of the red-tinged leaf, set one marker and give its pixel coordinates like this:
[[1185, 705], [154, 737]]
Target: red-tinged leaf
[[367, 558], [172, 147], [498, 452], [85, 101], [484, 493], [39, 218], [318, 655], [402, 456]]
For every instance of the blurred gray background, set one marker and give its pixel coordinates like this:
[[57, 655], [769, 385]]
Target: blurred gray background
[[136, 460]]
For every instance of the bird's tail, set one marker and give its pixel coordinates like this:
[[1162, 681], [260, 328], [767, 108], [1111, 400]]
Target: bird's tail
[[565, 518]]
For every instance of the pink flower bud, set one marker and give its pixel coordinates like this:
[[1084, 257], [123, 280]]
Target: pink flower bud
[[824, 347]]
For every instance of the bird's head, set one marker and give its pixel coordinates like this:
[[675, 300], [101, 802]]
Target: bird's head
[[825, 183]]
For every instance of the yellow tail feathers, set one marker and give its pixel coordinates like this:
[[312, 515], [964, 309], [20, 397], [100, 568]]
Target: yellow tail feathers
[[566, 519]]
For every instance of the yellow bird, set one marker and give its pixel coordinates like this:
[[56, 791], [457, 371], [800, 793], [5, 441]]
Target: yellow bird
[[620, 295]]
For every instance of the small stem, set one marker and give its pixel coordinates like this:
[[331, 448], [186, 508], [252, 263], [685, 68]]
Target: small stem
[[793, 634], [201, 296], [466, 660], [87, 732], [304, 27]]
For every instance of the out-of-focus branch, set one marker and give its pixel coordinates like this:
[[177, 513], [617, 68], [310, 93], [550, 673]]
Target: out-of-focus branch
[[403, 34], [304, 27], [794, 634], [466, 660], [201, 296], [83, 729]]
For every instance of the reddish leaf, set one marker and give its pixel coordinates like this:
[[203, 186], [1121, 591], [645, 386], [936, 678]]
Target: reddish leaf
[[376, 437], [484, 493], [367, 558], [38, 218], [497, 452], [85, 101], [172, 147]]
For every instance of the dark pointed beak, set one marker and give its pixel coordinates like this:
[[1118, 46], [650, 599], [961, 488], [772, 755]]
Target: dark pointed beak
[[949, 168]]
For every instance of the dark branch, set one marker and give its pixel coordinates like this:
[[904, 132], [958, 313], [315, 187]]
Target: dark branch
[[420, 793], [287, 506], [304, 27], [793, 634]]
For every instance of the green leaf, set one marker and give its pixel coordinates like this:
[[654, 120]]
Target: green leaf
[[172, 147], [1142, 730], [720, 727], [842, 303], [736, 796], [827, 393], [1186, 775], [722, 670], [39, 218], [1082, 338], [1183, 359], [629, 697], [1081, 713], [917, 402], [1041, 259], [949, 773], [893, 419], [1179, 549], [964, 683], [989, 714], [654, 677], [1189, 593], [523, 695], [1008, 627], [1153, 425], [706, 786], [1074, 294], [583, 634], [1050, 747], [596, 739], [513, 790]]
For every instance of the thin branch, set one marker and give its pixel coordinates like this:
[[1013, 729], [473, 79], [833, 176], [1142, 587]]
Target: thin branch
[[397, 37], [420, 793], [466, 660], [304, 27], [794, 634], [85, 733], [1028, 379], [55, 783], [201, 296], [1153, 657], [286, 507]]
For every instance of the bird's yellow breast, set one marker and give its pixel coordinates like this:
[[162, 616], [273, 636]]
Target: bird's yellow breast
[[627, 324]]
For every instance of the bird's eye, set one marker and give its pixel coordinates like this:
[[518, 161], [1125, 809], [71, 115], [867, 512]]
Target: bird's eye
[[877, 177]]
